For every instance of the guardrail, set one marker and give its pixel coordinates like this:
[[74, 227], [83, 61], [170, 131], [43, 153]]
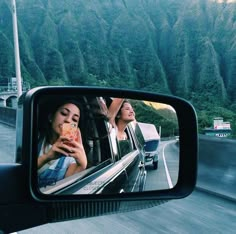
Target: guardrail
[[217, 166], [8, 116]]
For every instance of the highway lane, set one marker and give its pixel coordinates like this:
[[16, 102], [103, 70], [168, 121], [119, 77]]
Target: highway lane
[[7, 143], [198, 213], [166, 175]]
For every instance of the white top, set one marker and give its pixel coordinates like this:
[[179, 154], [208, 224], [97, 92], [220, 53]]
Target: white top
[[52, 164]]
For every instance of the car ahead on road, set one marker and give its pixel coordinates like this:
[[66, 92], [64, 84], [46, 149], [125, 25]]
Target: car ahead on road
[[111, 182], [151, 143]]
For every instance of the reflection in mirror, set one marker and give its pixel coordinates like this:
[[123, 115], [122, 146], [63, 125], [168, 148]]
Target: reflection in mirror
[[92, 145]]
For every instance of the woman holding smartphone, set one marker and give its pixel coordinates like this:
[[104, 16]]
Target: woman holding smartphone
[[61, 155]]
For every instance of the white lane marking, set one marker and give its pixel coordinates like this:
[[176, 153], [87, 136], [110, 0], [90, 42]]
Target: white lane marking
[[136, 181], [166, 168]]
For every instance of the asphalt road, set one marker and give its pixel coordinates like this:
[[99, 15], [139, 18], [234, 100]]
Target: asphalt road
[[7, 143], [198, 213], [166, 175]]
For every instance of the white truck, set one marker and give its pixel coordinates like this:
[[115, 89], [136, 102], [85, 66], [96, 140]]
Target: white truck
[[152, 139]]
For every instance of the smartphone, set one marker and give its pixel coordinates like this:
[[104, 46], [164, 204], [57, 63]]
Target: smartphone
[[70, 130]]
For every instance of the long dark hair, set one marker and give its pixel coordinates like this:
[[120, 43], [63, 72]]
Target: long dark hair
[[47, 111], [119, 111]]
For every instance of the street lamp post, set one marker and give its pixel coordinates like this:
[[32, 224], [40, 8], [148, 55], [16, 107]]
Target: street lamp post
[[16, 48]]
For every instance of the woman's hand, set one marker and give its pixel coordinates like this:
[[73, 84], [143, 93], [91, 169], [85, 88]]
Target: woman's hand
[[76, 150], [70, 148], [57, 149]]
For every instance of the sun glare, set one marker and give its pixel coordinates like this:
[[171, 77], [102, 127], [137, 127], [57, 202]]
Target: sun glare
[[224, 1]]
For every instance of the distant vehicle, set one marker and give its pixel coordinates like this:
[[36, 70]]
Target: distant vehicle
[[151, 139]]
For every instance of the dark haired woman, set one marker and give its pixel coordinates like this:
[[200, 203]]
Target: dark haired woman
[[121, 113], [60, 156]]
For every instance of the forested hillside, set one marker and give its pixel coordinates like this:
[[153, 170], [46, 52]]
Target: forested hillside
[[185, 48]]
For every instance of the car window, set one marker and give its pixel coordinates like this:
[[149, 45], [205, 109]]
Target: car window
[[127, 145]]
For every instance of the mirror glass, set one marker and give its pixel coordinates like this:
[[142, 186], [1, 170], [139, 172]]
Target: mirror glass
[[105, 145]]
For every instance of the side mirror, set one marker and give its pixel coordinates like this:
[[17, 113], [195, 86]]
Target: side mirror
[[120, 159], [157, 157]]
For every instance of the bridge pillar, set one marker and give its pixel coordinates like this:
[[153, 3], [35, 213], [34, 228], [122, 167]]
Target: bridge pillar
[[2, 102], [11, 102], [14, 102]]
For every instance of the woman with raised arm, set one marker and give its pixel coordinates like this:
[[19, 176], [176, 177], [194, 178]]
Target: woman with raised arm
[[121, 113]]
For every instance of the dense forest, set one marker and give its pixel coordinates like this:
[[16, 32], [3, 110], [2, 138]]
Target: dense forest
[[185, 48]]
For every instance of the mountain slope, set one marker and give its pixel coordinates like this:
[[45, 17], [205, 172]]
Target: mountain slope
[[186, 48]]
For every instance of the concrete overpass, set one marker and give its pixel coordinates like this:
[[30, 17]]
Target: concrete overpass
[[8, 94], [8, 99]]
